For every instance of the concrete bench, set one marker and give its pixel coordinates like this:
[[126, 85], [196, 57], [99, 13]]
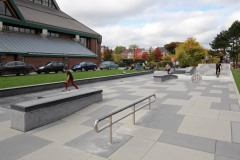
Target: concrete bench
[[47, 109], [161, 76], [190, 70]]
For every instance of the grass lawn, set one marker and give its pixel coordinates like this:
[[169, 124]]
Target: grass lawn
[[236, 75], [16, 81]]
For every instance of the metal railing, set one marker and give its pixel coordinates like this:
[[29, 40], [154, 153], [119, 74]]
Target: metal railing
[[151, 99]]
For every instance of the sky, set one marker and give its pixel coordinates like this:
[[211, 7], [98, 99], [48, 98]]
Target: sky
[[153, 23]]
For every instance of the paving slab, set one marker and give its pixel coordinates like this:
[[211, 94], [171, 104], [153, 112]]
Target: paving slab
[[227, 149], [206, 128], [172, 152], [188, 141]]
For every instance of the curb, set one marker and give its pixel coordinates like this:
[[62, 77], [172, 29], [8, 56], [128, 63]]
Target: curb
[[235, 86], [6, 92]]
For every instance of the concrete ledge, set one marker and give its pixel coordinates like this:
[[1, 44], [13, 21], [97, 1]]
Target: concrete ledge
[[190, 70], [38, 112], [163, 76], [43, 87]]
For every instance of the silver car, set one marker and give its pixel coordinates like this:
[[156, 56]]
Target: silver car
[[108, 65]]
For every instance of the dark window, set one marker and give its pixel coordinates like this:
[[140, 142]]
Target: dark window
[[47, 3], [4, 10], [15, 29], [54, 64], [19, 29], [60, 64], [11, 64], [20, 63]]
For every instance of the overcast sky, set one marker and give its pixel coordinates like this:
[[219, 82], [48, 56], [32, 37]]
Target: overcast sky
[[153, 22]]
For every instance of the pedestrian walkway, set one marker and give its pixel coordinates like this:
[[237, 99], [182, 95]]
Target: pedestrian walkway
[[188, 121]]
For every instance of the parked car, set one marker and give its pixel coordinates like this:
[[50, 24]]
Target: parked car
[[108, 65], [51, 67], [84, 66], [15, 67]]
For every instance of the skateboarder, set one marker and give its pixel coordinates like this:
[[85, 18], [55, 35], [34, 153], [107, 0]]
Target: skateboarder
[[218, 68], [69, 79]]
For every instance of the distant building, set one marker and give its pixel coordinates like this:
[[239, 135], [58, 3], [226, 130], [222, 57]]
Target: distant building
[[103, 50], [133, 53], [164, 51], [37, 31]]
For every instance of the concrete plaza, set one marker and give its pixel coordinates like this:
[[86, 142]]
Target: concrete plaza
[[188, 121]]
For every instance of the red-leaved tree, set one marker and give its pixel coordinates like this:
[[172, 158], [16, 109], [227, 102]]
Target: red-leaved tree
[[157, 55], [145, 56], [137, 53]]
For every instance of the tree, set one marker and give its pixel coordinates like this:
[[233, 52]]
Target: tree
[[108, 55], [137, 53], [221, 41], [171, 46], [145, 56], [119, 49], [133, 46], [166, 58], [234, 41], [229, 41], [190, 52], [117, 58], [157, 55], [150, 55]]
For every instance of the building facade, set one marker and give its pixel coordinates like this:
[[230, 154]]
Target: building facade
[[37, 31]]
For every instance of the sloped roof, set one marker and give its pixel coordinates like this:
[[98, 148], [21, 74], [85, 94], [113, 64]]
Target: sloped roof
[[38, 14], [36, 45], [164, 50]]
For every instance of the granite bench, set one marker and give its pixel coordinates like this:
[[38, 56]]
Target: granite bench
[[161, 76], [49, 108]]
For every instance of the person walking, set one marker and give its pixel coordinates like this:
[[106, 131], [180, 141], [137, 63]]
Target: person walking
[[69, 79], [218, 68], [168, 68]]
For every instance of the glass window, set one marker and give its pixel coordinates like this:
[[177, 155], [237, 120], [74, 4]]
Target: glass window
[[10, 64], [4, 27], [22, 30], [8, 13], [19, 63], [10, 28], [27, 30], [2, 8], [83, 41], [15, 29], [32, 31]]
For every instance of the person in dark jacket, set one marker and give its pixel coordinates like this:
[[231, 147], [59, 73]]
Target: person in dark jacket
[[69, 79], [218, 68]]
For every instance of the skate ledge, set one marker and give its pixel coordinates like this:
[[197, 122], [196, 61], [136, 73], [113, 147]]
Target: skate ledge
[[47, 109], [162, 76]]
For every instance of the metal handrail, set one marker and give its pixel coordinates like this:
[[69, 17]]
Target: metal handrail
[[151, 99]]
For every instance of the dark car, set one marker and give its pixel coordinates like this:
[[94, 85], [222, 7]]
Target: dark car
[[84, 66], [51, 67], [108, 65], [15, 67]]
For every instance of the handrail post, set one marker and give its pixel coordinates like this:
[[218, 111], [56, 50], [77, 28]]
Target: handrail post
[[110, 127], [133, 116]]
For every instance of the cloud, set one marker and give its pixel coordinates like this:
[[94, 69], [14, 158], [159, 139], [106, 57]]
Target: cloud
[[153, 22]]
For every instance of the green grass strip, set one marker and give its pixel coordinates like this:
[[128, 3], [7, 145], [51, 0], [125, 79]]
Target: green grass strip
[[33, 79], [236, 75]]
